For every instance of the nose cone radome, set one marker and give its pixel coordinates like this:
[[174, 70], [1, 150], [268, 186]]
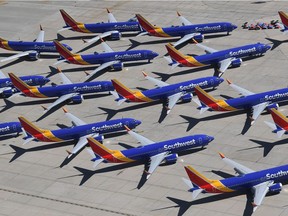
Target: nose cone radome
[[46, 80], [137, 122], [267, 47], [234, 26], [220, 80], [154, 54], [210, 138]]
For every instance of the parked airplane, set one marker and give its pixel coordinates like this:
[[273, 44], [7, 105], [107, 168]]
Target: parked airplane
[[257, 102], [154, 152], [171, 92], [187, 32], [219, 59], [280, 125], [69, 92], [112, 29], [10, 128], [30, 49], [7, 88], [284, 19], [80, 131], [261, 182], [107, 59]]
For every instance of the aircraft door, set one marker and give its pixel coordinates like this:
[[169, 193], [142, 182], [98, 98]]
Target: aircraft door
[[212, 82], [200, 140]]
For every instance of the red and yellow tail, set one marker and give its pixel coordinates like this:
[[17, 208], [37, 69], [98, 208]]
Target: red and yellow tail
[[204, 97], [69, 21], [147, 26], [174, 53], [30, 128], [279, 119], [63, 51], [284, 18], [197, 178], [19, 84]]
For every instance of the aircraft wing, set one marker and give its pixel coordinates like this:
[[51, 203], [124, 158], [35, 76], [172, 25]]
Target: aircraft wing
[[40, 37], [157, 82], [100, 36], [239, 168], [183, 20], [60, 100], [258, 109], [64, 78], [75, 120], [224, 64], [185, 38], [155, 162], [101, 67], [17, 55], [206, 48], [111, 17], [172, 100], [260, 192], [2, 75], [106, 47], [143, 140], [239, 89], [80, 144]]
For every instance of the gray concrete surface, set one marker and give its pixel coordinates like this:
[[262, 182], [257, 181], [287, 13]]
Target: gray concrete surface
[[31, 182]]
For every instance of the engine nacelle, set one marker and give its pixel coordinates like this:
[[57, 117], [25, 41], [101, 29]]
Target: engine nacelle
[[34, 55], [199, 38], [8, 92], [117, 66], [170, 159], [99, 138], [115, 36], [236, 63], [186, 98], [275, 188], [273, 105], [77, 99]]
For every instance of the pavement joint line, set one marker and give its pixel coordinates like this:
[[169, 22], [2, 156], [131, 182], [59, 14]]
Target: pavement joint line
[[66, 202]]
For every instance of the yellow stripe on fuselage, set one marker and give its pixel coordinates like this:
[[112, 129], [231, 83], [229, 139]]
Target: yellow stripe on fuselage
[[48, 134], [161, 33], [83, 28], [119, 156], [36, 93], [139, 95], [193, 61], [80, 60], [225, 106], [6, 45], [219, 186]]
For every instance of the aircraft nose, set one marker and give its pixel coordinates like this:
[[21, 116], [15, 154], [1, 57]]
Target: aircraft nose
[[220, 80], [210, 138], [46, 80], [267, 47], [137, 122], [234, 26], [154, 54]]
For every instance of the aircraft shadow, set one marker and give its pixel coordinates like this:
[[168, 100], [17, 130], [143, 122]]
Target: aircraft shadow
[[9, 136], [18, 151], [276, 43], [16, 61], [267, 146]]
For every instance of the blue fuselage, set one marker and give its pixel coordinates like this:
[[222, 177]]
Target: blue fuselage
[[118, 26], [10, 128], [30, 80]]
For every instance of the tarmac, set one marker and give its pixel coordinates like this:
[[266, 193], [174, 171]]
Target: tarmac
[[31, 180]]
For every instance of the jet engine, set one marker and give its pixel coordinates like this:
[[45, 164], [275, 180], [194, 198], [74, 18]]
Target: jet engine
[[34, 55], [77, 99], [170, 159], [117, 66], [115, 36], [275, 188], [186, 98], [236, 63]]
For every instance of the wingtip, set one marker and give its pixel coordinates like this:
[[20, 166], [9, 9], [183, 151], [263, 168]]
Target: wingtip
[[102, 41], [221, 155], [144, 73], [108, 11], [59, 70], [41, 29], [127, 128], [228, 81], [64, 109], [178, 13], [194, 41], [87, 74], [45, 108]]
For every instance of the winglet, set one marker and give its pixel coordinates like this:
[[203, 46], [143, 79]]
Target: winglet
[[69, 152], [41, 29], [127, 128], [178, 13], [65, 110], [221, 155], [144, 73], [228, 81], [102, 40], [45, 108], [194, 41], [59, 70], [108, 11]]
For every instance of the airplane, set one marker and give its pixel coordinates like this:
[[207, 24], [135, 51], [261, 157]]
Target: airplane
[[260, 182], [68, 92], [154, 152], [107, 59], [257, 102], [7, 88], [10, 128], [187, 32], [280, 125], [112, 29], [30, 49], [80, 130], [171, 92], [221, 60], [284, 19]]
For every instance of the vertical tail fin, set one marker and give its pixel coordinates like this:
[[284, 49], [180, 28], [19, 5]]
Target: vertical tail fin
[[29, 127], [19, 84], [284, 19], [69, 21], [63, 51], [144, 23], [174, 53], [98, 148], [280, 121], [122, 89], [197, 178], [204, 97]]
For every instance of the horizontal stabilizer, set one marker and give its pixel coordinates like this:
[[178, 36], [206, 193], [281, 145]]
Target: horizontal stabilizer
[[280, 133], [97, 162], [203, 109], [271, 125]]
